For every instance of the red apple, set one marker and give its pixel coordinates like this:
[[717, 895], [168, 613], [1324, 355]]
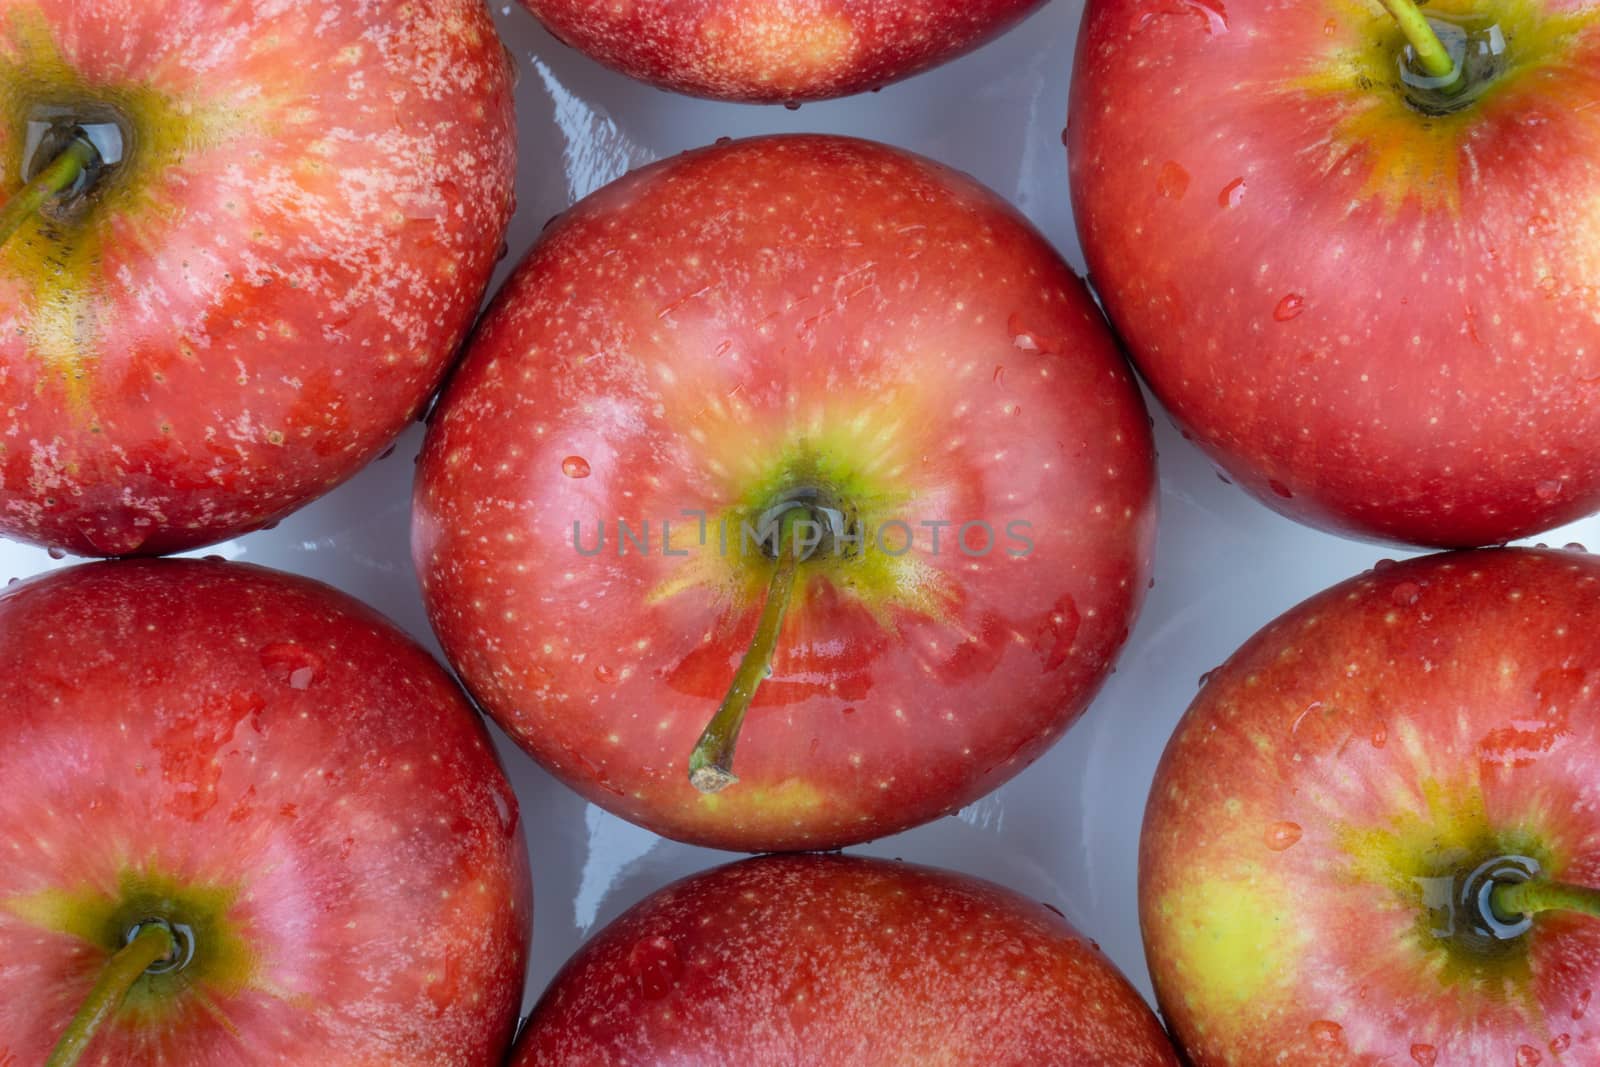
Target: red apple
[[1374, 304], [294, 213], [776, 51], [280, 777], [829, 960], [808, 323], [1370, 838]]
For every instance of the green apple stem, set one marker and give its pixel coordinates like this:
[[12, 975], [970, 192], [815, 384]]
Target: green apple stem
[[1432, 56], [153, 944], [62, 173], [1515, 900], [711, 762]]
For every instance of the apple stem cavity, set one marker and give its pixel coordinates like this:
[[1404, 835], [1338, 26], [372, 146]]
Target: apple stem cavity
[[58, 177], [1515, 900], [1428, 51], [711, 762], [153, 943]]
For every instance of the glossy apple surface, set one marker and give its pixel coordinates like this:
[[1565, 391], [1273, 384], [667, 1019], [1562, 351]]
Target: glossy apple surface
[[1381, 321], [719, 333], [1333, 785], [835, 960], [278, 769], [268, 286], [776, 51]]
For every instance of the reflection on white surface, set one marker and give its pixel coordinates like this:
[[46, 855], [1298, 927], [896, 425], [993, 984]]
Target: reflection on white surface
[[596, 152], [614, 845], [1065, 831]]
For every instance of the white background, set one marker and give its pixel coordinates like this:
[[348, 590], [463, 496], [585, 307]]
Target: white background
[[1066, 830]]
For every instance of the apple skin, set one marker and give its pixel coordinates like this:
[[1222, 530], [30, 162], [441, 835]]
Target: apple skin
[[270, 287], [270, 762], [835, 960], [776, 51], [687, 338], [1399, 727], [1364, 314]]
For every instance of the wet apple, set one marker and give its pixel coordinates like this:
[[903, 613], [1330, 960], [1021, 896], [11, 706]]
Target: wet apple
[[804, 445], [1374, 837]]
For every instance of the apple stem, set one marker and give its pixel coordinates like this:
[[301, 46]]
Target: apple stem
[[711, 762], [1520, 899], [1431, 54], [61, 174], [153, 944]]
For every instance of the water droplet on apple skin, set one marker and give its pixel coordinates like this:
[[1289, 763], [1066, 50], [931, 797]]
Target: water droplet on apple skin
[[1528, 1056], [1173, 181], [1232, 194], [1282, 836], [1289, 308], [55, 553], [294, 665], [1279, 489], [1327, 1033], [1548, 490], [1405, 594], [575, 467], [1560, 1043], [1424, 1055], [656, 964]]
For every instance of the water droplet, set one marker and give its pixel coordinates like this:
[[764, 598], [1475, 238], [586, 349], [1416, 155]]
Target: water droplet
[[1406, 594], [1330, 27], [1380, 734], [1574, 546], [293, 664], [1173, 180], [1280, 489], [1025, 339], [1282, 836], [1528, 1056], [120, 532], [1541, 226], [1232, 194], [575, 467], [1383, 565], [999, 374], [55, 553], [1581, 1008], [656, 963], [1560, 1043], [1058, 633], [848, 711], [604, 675], [724, 140], [1548, 490], [1425, 1055], [1206, 677], [1212, 11], [1290, 307], [793, 105], [1548, 286], [1327, 1033]]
